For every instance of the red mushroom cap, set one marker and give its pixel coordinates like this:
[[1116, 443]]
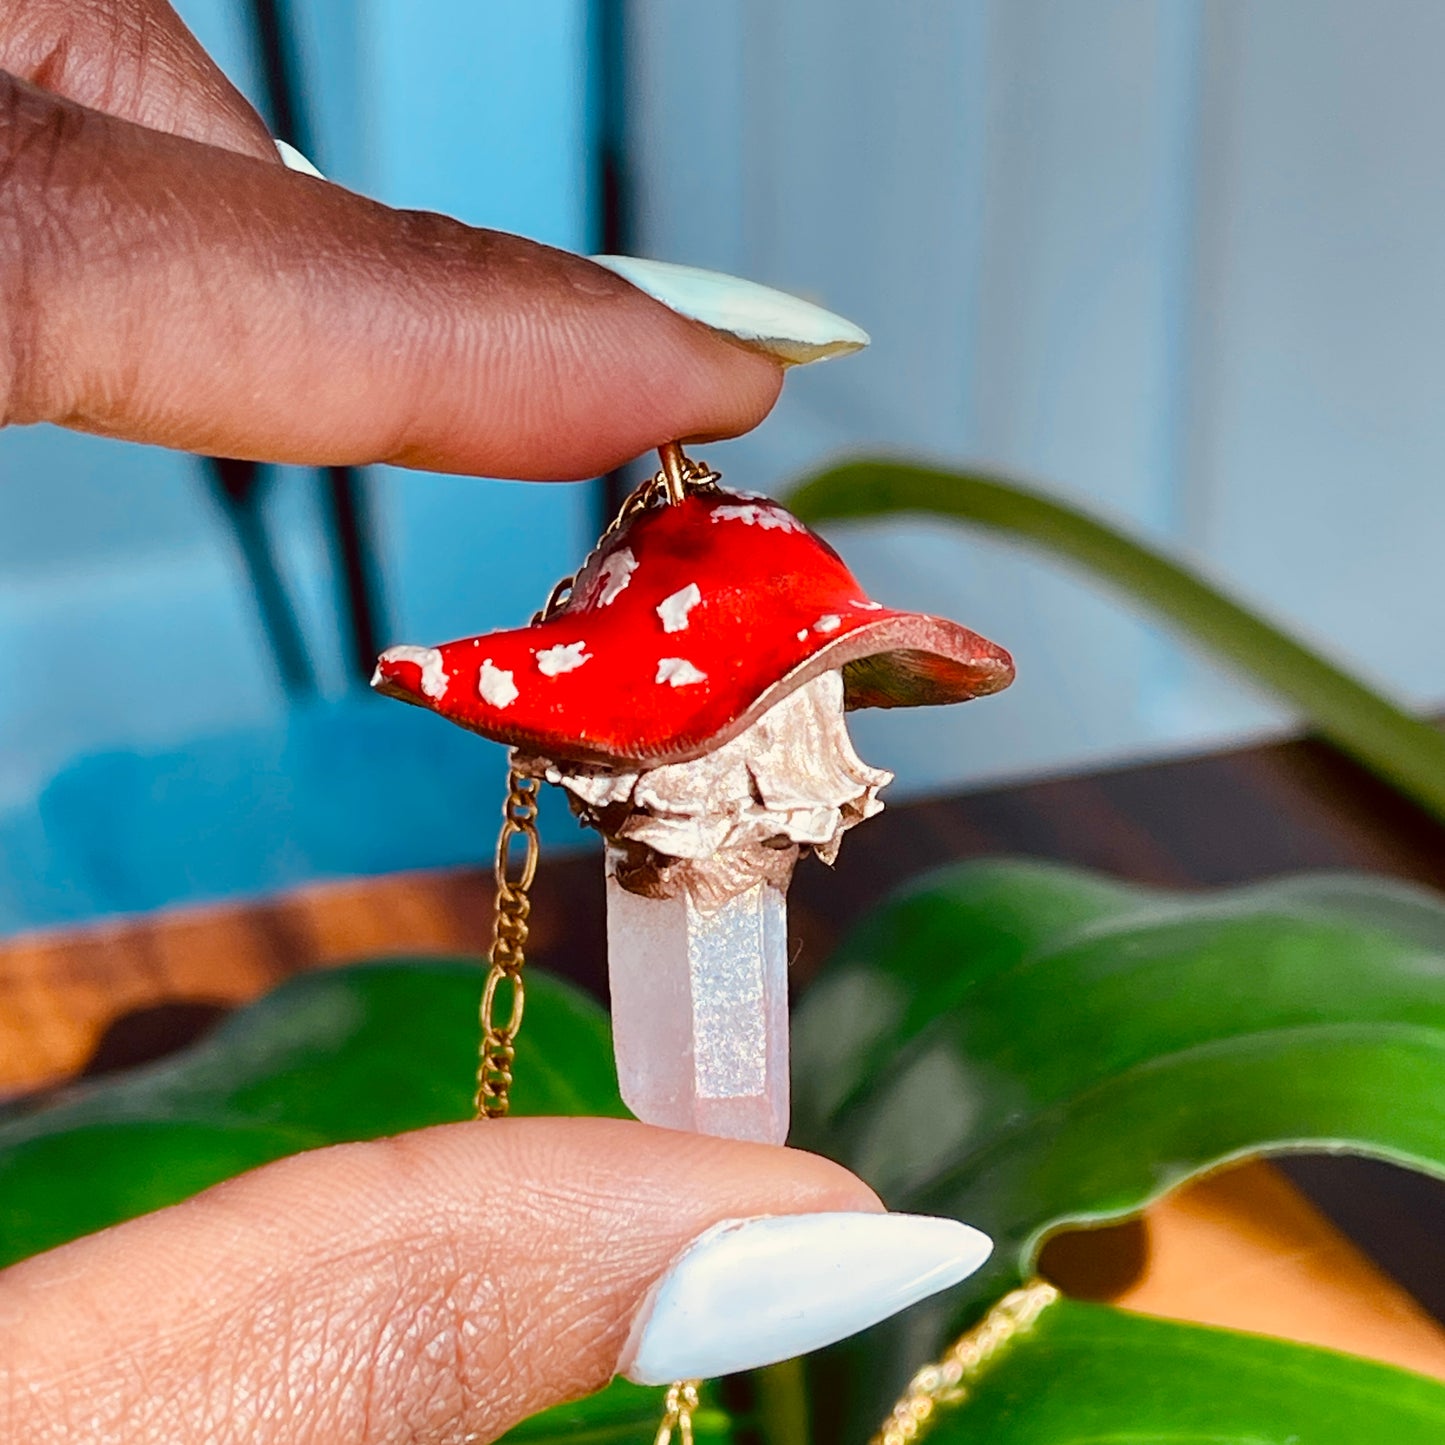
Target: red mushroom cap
[[681, 630]]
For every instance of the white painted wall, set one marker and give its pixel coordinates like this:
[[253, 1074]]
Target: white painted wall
[[1180, 260]]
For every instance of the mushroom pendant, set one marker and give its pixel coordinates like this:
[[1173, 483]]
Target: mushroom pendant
[[688, 693]]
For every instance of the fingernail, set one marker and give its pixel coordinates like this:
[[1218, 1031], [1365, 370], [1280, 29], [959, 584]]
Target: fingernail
[[751, 1292], [293, 160], [784, 326]]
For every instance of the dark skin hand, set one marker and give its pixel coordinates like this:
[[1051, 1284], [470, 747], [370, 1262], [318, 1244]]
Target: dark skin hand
[[164, 279]]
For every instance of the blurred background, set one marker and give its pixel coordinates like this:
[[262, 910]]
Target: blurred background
[[1178, 259]]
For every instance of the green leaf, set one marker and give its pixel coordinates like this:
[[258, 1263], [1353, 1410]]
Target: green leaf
[[335, 1055], [55, 1187], [1088, 1373], [1406, 752], [1027, 1047]]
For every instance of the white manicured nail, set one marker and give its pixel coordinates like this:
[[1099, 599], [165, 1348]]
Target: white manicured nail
[[751, 1292], [784, 326], [293, 160]]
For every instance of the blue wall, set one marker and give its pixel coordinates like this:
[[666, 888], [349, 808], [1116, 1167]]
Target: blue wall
[[164, 761]]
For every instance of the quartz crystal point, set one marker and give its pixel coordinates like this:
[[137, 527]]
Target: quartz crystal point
[[700, 1009]]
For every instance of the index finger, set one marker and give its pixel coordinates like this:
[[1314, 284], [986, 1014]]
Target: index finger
[[169, 292]]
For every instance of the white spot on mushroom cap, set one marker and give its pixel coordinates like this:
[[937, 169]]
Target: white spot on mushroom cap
[[496, 685], [758, 514], [803, 635], [866, 605], [678, 671], [673, 610], [616, 574], [829, 622], [565, 657], [433, 677]]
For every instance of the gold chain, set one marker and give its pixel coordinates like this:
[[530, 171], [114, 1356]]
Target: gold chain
[[943, 1383], [508, 952], [509, 932], [519, 821], [947, 1381], [677, 1412]]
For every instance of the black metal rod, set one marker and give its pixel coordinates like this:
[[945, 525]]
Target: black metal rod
[[348, 535], [278, 75], [613, 187], [360, 584], [236, 486]]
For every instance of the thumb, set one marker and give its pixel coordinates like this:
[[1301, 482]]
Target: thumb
[[445, 1284]]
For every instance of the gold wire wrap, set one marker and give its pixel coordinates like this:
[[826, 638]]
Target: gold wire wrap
[[947, 1381], [674, 470]]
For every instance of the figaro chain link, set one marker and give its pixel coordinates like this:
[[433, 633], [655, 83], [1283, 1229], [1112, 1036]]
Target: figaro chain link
[[509, 942]]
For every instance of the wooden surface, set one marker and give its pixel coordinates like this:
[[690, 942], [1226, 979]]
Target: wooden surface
[[1245, 1248], [60, 991]]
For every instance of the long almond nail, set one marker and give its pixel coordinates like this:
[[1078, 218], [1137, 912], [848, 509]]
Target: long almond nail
[[751, 1292], [784, 326]]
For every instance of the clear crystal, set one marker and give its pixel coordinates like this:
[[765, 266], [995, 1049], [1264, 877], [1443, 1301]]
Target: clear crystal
[[700, 1010]]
